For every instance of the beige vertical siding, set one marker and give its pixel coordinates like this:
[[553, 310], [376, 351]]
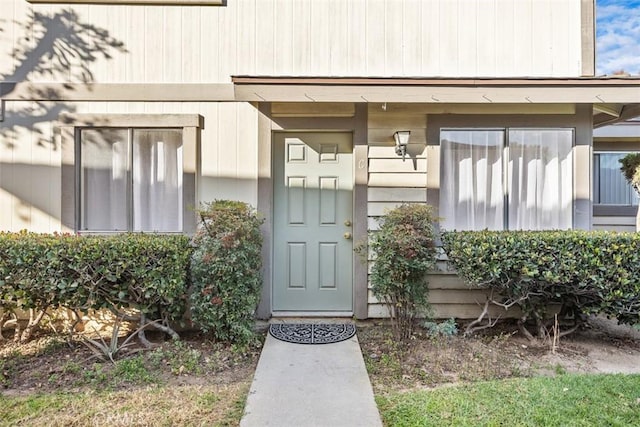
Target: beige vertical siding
[[29, 176], [196, 44], [30, 161], [229, 158], [172, 44]]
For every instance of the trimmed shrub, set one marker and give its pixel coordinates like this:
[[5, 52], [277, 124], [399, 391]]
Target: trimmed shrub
[[630, 168], [128, 271], [27, 261], [404, 252], [582, 272], [225, 269]]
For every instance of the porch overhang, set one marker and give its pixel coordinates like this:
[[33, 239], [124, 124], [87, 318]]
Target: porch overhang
[[437, 90], [613, 98]]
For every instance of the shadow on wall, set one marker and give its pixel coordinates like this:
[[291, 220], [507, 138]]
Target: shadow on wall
[[53, 47], [34, 186], [38, 187]]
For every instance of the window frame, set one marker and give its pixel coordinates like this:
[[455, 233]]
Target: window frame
[[69, 130], [606, 209], [129, 180], [506, 156], [580, 118]]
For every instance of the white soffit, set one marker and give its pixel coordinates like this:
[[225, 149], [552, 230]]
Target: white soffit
[[613, 110], [628, 129]]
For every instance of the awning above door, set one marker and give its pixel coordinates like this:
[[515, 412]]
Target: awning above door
[[614, 99], [437, 90]]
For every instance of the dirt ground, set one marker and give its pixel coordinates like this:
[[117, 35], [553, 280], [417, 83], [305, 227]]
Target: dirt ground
[[427, 362], [604, 347], [50, 363]]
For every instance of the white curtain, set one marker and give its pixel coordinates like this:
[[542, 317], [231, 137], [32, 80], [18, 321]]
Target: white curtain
[[538, 182], [471, 189], [157, 180], [104, 164], [540, 179]]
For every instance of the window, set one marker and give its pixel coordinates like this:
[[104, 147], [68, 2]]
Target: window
[[129, 172], [519, 179], [609, 185], [130, 179]]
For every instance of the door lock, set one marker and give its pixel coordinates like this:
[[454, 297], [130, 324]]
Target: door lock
[[347, 223]]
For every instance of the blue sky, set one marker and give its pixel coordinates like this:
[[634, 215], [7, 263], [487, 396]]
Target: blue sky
[[617, 36]]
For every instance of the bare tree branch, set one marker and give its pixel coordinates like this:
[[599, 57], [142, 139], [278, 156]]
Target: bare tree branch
[[472, 328]]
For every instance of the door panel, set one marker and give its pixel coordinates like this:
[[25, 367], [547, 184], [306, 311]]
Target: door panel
[[313, 251]]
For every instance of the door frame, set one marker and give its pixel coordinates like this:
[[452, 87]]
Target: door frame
[[357, 126], [283, 135]]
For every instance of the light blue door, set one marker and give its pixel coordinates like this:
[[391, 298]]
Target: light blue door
[[313, 208]]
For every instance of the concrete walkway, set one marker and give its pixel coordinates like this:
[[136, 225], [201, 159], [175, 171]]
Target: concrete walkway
[[311, 385]]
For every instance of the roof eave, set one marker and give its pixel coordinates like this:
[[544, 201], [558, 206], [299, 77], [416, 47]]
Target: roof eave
[[437, 90]]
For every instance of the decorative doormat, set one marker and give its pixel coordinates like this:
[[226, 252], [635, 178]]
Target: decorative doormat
[[312, 333]]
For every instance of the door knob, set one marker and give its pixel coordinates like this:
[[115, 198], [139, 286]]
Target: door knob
[[347, 235]]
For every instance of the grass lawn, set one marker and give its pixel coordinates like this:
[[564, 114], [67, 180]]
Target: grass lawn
[[564, 400], [147, 406]]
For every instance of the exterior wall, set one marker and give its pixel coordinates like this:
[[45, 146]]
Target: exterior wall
[[208, 44], [451, 297], [393, 182], [30, 176], [31, 160], [179, 44]]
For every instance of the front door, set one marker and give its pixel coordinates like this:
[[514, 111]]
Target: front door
[[313, 207]]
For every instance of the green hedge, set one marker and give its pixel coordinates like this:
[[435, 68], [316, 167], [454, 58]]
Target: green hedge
[[225, 269], [404, 252], [146, 272], [585, 272]]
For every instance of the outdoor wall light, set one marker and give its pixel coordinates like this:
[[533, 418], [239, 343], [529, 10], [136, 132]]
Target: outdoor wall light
[[402, 140]]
